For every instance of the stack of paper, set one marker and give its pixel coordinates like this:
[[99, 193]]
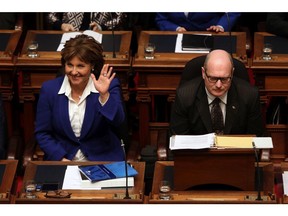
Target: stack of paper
[[66, 36]]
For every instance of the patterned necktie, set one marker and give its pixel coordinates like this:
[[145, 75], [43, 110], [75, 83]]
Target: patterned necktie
[[217, 117]]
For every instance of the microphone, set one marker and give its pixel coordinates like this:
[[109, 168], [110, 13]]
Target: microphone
[[113, 36], [230, 35], [258, 173], [126, 171]]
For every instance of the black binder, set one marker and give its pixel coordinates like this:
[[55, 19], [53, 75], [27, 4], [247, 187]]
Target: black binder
[[193, 42]]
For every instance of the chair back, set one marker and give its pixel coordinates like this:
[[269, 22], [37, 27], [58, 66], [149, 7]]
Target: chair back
[[192, 69]]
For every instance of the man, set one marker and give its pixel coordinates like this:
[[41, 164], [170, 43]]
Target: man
[[239, 101]]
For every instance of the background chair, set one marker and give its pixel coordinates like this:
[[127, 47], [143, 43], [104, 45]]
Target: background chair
[[192, 69]]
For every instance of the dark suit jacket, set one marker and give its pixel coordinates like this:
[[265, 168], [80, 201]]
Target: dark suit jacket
[[97, 141], [190, 113], [194, 21]]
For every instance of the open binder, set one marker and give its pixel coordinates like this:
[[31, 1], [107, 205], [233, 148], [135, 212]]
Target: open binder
[[212, 140]]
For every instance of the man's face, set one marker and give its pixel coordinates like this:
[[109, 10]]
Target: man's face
[[217, 78]]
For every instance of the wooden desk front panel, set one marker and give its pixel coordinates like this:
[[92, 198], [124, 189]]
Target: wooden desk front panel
[[105, 196], [209, 197]]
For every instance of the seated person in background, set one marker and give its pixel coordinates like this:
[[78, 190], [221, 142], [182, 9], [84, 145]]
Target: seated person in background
[[78, 21], [277, 23], [78, 112], [11, 21], [181, 22], [239, 101], [3, 131]]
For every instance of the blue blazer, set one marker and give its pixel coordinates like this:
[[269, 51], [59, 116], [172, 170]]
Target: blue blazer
[[194, 21], [98, 141]]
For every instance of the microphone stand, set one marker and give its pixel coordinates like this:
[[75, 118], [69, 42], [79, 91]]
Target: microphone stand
[[258, 173], [230, 36], [113, 36], [126, 172]]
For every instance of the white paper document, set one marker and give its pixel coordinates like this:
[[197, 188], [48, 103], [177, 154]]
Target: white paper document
[[66, 36], [192, 141], [263, 142], [285, 182], [73, 180]]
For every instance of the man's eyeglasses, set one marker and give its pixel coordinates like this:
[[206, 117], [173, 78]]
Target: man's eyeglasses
[[223, 80], [58, 194]]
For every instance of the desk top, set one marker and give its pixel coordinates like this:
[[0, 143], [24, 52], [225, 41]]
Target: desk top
[[8, 43], [115, 195], [279, 51], [49, 41], [165, 42], [7, 175], [164, 170]]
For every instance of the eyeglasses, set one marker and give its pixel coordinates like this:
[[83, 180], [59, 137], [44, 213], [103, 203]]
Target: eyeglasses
[[224, 80], [58, 194]]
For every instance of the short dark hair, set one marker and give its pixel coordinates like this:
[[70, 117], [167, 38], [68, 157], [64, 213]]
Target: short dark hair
[[87, 49]]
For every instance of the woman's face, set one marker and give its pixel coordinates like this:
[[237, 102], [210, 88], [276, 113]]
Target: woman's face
[[78, 72]]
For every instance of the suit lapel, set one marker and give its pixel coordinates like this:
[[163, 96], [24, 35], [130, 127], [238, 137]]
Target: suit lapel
[[203, 109], [90, 112], [63, 111], [231, 109]]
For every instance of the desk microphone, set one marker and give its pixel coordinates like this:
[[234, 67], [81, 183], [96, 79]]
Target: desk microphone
[[230, 35], [113, 36], [258, 173], [126, 171]]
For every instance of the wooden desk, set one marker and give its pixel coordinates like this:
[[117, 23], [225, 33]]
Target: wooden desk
[[272, 79], [9, 40], [7, 176], [105, 196], [164, 170], [160, 76], [34, 71]]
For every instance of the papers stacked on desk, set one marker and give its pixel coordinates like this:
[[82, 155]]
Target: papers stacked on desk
[[74, 180], [212, 140], [66, 36]]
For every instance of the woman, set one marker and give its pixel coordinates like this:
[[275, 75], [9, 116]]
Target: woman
[[78, 112]]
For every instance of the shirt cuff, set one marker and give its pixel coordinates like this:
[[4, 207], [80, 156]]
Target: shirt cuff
[[103, 103]]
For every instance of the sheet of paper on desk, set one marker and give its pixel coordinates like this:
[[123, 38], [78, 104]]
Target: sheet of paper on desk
[[191, 141], [263, 142], [73, 180], [67, 35], [285, 182]]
